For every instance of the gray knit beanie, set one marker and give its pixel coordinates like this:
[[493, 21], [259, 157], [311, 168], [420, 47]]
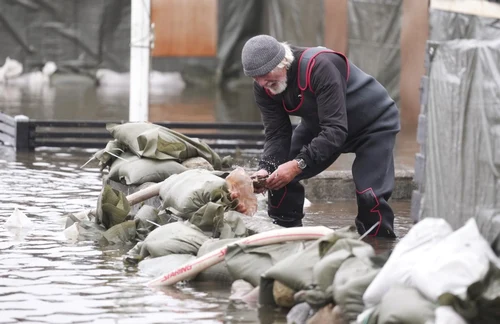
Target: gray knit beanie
[[261, 54]]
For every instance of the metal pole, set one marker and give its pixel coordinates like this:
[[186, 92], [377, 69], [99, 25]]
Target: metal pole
[[140, 50]]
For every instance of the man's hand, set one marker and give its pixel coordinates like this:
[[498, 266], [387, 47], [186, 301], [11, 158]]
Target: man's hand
[[260, 174], [285, 173]]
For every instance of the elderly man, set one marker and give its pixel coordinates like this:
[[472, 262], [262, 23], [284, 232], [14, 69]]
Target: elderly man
[[342, 110]]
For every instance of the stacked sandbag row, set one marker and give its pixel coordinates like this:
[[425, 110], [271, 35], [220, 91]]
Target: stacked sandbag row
[[196, 201], [144, 152]]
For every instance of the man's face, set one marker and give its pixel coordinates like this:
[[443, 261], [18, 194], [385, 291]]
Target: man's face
[[274, 81]]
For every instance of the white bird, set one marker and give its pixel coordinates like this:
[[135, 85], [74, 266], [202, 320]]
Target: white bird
[[167, 83], [10, 69], [32, 80]]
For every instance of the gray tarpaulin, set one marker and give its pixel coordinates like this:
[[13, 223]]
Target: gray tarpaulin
[[74, 34], [374, 45], [374, 33], [83, 35], [295, 21], [462, 171], [447, 25]]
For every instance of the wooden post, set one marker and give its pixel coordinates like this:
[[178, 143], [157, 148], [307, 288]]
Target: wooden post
[[140, 51], [22, 133]]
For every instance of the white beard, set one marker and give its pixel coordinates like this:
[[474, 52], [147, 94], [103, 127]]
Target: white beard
[[278, 88]]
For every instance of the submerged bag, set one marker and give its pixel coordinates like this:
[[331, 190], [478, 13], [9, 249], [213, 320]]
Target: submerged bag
[[130, 169], [112, 207]]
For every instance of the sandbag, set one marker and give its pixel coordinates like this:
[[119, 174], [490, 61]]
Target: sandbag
[[324, 271], [197, 163], [404, 305], [130, 169], [122, 233], [161, 143], [248, 262], [83, 230], [233, 226], [112, 207], [145, 217], [218, 272], [173, 238], [156, 267], [482, 304], [447, 315], [109, 154], [453, 264], [198, 196], [296, 271], [349, 284], [419, 240]]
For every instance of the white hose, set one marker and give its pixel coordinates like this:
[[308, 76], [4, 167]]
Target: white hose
[[192, 268]]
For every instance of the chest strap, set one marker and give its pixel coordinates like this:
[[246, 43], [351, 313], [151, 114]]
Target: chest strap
[[306, 63]]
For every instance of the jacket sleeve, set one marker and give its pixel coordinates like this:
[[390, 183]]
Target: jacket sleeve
[[329, 87], [277, 130]]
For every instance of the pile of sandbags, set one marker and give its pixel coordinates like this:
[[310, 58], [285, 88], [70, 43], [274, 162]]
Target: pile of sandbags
[[143, 152], [433, 275]]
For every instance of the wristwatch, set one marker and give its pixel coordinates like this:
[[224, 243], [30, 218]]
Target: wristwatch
[[302, 164]]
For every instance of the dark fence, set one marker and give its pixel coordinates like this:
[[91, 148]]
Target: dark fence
[[27, 134]]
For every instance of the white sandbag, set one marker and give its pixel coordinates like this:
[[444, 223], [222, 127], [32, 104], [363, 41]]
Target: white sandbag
[[453, 264], [408, 252], [447, 315]]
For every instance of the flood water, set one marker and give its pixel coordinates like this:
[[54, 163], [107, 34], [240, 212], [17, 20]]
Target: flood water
[[46, 279]]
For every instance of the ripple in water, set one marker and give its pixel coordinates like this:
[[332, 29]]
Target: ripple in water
[[46, 279]]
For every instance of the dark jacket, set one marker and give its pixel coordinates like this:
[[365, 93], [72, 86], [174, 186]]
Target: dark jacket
[[333, 109]]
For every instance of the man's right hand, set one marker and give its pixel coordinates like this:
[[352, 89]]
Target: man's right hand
[[259, 186]]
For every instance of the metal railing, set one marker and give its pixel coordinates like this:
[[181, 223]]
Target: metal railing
[[27, 134]]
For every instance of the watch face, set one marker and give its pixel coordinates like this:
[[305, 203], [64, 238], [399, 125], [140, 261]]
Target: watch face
[[302, 163]]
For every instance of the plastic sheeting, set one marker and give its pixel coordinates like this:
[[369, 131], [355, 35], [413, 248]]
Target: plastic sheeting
[[462, 171], [83, 35], [295, 21], [447, 25], [75, 34], [374, 33], [374, 40]]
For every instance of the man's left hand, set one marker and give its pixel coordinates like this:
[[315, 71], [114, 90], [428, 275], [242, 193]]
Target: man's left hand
[[282, 176]]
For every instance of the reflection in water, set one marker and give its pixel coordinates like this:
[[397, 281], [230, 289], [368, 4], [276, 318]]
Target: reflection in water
[[77, 97], [46, 279]]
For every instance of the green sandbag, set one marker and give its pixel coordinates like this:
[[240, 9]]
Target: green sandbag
[[324, 271], [233, 225], [219, 271], [296, 271], [161, 143], [109, 154], [130, 169], [112, 207], [120, 234], [173, 238], [249, 262], [146, 218], [199, 196], [350, 283]]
